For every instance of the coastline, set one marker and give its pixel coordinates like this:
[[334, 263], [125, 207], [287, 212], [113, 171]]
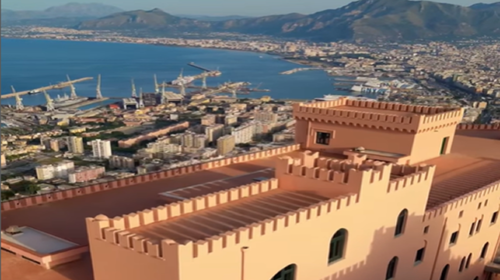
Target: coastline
[[151, 44], [271, 55]]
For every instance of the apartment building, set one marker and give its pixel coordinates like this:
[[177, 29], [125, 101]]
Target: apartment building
[[208, 120], [193, 140], [57, 170], [163, 147], [101, 148], [244, 133], [120, 162], [85, 174], [213, 132], [225, 144], [266, 116], [75, 145]]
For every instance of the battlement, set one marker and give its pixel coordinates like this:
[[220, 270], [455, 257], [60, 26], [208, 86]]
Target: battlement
[[346, 172], [478, 126], [378, 115], [404, 176], [243, 235], [492, 190], [336, 177], [118, 229]]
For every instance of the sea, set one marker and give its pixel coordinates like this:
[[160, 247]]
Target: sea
[[30, 63]]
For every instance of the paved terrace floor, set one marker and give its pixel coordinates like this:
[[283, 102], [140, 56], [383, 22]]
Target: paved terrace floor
[[227, 217], [66, 218], [473, 163]]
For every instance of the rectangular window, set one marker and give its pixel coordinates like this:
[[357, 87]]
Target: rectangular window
[[494, 217], [472, 228], [478, 226], [454, 238], [420, 255], [323, 138]]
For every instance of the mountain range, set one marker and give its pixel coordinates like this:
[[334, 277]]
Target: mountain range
[[367, 20]]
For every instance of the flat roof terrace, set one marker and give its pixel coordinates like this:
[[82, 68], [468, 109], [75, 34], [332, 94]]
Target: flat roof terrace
[[37, 241], [210, 222], [474, 162]]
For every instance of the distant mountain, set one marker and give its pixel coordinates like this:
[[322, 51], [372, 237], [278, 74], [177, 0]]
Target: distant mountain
[[364, 20], [154, 20], [211, 18], [68, 11], [486, 7], [368, 20]]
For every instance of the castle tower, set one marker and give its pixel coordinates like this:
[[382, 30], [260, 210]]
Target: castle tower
[[98, 94]]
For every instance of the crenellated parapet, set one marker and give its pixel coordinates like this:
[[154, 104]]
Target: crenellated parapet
[[495, 126], [491, 190], [244, 235], [405, 176], [118, 230], [333, 177], [309, 169], [378, 115]]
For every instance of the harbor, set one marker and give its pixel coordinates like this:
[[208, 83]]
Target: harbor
[[67, 105]]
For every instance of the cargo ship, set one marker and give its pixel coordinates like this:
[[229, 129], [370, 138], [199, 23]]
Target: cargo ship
[[65, 101]]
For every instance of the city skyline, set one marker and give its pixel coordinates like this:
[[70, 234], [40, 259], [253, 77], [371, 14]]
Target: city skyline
[[222, 8]]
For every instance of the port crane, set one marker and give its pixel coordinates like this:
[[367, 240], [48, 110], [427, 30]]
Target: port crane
[[157, 89], [72, 88], [19, 100], [50, 104], [134, 93], [57, 86], [98, 89]]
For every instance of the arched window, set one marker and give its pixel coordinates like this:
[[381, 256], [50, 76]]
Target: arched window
[[484, 251], [444, 273], [391, 269], [468, 261], [462, 264], [401, 222], [337, 245], [287, 273]]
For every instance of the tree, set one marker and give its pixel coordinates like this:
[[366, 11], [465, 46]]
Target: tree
[[7, 194]]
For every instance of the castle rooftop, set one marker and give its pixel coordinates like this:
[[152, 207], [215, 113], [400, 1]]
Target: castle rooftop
[[474, 162], [227, 217]]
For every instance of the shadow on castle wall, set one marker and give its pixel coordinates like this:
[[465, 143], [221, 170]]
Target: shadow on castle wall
[[436, 257]]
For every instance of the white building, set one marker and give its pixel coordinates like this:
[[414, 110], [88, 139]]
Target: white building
[[101, 148], [244, 134], [59, 170]]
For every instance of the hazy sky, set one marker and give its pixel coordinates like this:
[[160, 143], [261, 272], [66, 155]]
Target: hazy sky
[[210, 7]]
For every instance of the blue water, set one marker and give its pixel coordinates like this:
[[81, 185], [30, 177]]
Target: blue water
[[29, 64]]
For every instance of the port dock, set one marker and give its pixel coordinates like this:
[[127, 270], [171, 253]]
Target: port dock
[[41, 89], [298, 70]]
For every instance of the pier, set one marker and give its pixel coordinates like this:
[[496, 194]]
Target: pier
[[41, 89], [298, 70]]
